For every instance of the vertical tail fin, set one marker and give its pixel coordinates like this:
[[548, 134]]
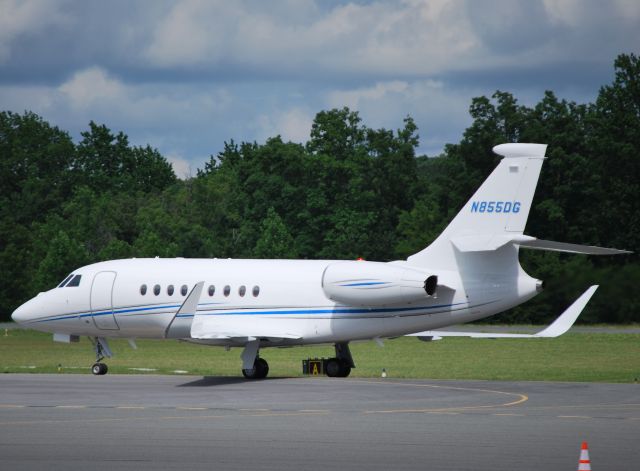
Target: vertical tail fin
[[496, 212]]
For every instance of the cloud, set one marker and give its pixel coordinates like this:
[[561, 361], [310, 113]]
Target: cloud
[[19, 17], [293, 125], [182, 167], [439, 111], [185, 76], [92, 86], [302, 39]]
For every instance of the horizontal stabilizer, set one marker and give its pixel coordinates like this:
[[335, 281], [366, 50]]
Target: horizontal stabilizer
[[482, 243], [550, 245], [561, 325]]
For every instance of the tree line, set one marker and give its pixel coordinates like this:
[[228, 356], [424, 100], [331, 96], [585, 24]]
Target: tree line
[[350, 191]]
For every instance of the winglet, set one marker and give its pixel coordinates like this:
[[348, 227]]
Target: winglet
[[561, 325], [564, 322]]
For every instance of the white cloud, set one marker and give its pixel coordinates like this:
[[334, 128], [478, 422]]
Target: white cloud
[[95, 93], [419, 36], [293, 125], [187, 75], [19, 17], [92, 86], [181, 167], [440, 112], [628, 9], [577, 13], [354, 98]]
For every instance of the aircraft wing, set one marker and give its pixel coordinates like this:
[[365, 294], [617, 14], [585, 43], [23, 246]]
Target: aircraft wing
[[226, 327], [561, 325]]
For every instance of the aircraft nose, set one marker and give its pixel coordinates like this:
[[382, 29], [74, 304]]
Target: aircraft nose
[[21, 314]]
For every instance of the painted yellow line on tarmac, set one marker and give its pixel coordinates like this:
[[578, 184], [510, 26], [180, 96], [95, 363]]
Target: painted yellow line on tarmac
[[588, 406], [284, 414], [520, 398]]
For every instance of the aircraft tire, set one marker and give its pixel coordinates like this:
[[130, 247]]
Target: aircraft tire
[[260, 370], [336, 368], [345, 370], [333, 368], [99, 369]]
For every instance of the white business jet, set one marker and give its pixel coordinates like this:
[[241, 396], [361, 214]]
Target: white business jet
[[469, 272]]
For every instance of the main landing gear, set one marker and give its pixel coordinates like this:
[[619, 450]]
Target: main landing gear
[[101, 347], [260, 370], [340, 366], [253, 367]]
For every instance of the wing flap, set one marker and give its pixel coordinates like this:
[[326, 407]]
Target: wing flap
[[239, 328]]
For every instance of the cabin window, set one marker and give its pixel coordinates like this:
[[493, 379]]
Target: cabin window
[[156, 290], [183, 290], [143, 290], [255, 291], [170, 290], [227, 290], [75, 281], [242, 290], [64, 282], [212, 290]]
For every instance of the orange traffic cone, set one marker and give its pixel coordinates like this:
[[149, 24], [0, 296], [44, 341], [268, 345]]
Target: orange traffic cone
[[585, 463]]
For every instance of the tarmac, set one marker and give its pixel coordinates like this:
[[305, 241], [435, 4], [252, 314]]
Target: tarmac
[[185, 422]]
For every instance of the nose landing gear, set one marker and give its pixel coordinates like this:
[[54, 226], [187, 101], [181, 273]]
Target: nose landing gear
[[101, 347], [99, 369]]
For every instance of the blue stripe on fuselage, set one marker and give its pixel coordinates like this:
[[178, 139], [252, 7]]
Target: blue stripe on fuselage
[[249, 312]]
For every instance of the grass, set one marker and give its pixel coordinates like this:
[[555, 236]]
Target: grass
[[601, 357]]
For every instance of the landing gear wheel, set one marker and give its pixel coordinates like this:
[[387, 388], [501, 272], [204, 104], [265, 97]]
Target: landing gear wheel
[[332, 368], [260, 370], [336, 368], [99, 369], [345, 370]]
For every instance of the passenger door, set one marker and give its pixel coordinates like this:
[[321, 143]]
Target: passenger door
[[101, 301]]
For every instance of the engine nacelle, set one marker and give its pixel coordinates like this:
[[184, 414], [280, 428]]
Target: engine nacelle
[[376, 284]]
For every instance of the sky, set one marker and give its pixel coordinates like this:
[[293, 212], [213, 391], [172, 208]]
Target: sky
[[186, 76]]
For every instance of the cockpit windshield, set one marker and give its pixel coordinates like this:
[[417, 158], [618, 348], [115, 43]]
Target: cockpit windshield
[[70, 281], [75, 281], [64, 282]]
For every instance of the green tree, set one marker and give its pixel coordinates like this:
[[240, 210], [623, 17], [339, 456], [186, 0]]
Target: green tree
[[63, 255], [107, 162], [275, 240]]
